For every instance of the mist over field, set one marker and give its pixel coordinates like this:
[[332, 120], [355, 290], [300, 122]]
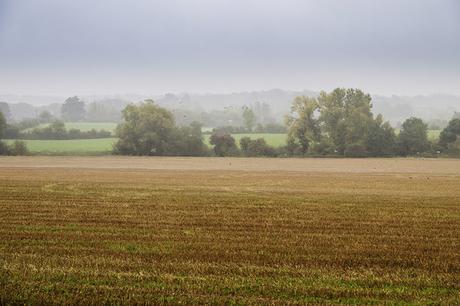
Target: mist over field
[[434, 107], [229, 152]]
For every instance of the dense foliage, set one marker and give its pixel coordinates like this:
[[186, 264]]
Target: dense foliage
[[338, 123], [224, 144], [450, 137], [342, 123], [256, 147], [413, 138], [148, 129]]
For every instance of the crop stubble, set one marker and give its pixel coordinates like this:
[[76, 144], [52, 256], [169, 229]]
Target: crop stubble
[[85, 235]]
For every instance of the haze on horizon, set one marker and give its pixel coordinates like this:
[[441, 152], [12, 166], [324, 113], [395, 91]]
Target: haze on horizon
[[64, 47]]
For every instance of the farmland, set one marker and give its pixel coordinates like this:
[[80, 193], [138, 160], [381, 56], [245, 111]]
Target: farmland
[[104, 145], [66, 147], [94, 230]]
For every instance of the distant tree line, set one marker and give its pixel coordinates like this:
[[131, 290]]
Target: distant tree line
[[341, 123], [338, 123], [54, 130], [57, 130], [148, 129], [74, 110]]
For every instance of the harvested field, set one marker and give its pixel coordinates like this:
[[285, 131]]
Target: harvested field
[[214, 231], [441, 166]]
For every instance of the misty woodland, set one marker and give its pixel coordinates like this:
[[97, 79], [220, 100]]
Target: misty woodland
[[338, 123]]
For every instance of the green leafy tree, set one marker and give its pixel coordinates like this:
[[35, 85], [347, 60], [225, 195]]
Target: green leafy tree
[[2, 125], [358, 118], [189, 140], [381, 140], [224, 144], [147, 129], [249, 118], [450, 134], [345, 125], [303, 127], [73, 109], [332, 117], [346, 117], [413, 137]]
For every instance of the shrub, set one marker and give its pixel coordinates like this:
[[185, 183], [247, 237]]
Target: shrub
[[18, 148], [224, 144], [413, 137], [324, 147], [257, 147], [356, 150], [3, 148]]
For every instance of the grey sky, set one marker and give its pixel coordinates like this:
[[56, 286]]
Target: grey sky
[[113, 46]]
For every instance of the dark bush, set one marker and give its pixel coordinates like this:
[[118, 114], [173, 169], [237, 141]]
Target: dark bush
[[4, 150], [257, 147], [18, 148], [224, 144], [356, 150]]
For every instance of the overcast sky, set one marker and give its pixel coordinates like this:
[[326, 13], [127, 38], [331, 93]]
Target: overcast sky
[[67, 47]]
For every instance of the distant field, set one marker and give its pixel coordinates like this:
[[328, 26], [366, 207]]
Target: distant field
[[433, 135], [275, 140], [223, 231], [78, 146], [87, 126], [102, 145]]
